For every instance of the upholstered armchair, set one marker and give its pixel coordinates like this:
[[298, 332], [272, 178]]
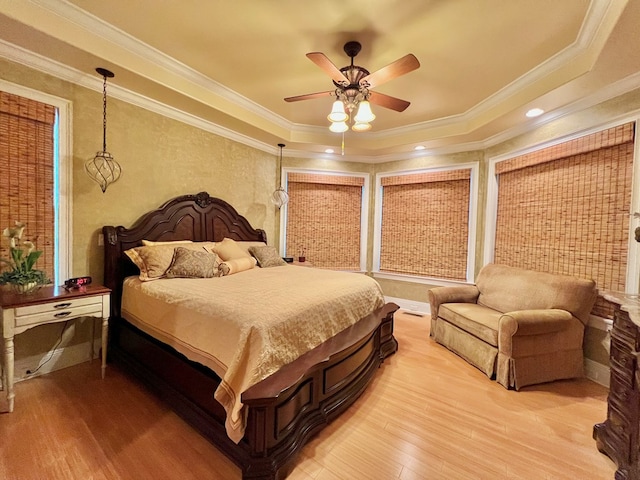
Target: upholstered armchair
[[518, 326]]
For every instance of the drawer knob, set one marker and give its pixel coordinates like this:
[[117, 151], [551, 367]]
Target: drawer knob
[[62, 314], [62, 305]]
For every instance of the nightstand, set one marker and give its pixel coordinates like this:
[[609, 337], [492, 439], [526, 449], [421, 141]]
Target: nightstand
[[302, 264], [19, 313]]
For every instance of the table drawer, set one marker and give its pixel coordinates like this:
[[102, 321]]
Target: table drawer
[[55, 311]]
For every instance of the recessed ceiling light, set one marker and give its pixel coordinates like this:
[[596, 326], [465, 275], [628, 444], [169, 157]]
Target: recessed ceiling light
[[329, 150], [534, 112], [419, 147]]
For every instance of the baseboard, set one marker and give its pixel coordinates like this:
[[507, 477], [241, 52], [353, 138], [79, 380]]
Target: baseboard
[[418, 308], [51, 361], [596, 372]]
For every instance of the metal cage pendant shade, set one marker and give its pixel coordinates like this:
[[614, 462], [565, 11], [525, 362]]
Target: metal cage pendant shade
[[280, 197], [102, 168]]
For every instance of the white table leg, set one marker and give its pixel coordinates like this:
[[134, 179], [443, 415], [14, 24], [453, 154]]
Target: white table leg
[[3, 380], [8, 371], [105, 336], [92, 338]]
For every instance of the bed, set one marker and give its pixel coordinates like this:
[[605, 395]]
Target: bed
[[284, 409]]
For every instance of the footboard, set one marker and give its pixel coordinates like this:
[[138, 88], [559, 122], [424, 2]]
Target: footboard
[[284, 410]]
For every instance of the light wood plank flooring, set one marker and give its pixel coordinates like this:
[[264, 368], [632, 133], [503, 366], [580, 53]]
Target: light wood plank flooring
[[427, 415]]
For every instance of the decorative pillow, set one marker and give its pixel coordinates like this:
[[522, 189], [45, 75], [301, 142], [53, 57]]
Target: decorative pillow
[[153, 261], [236, 265], [267, 256], [193, 264], [228, 249], [150, 243]]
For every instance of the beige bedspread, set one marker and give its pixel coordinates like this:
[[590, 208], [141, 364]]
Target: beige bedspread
[[247, 325]]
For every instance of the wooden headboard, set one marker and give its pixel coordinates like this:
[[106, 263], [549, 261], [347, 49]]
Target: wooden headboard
[[198, 217]]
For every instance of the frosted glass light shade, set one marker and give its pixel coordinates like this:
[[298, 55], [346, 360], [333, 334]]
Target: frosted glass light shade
[[361, 127], [337, 112], [339, 127], [364, 115]]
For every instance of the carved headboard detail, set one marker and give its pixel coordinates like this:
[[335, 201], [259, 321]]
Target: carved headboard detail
[[198, 217]]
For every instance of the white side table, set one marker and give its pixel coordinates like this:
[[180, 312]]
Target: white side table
[[19, 313]]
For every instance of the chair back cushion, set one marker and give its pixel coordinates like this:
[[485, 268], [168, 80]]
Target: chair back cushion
[[507, 289]]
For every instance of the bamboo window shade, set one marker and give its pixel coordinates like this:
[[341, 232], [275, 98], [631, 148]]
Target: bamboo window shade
[[324, 219], [565, 209], [27, 180], [425, 224]]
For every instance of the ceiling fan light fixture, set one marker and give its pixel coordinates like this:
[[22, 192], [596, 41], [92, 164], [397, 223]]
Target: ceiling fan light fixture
[[364, 114], [337, 112], [339, 127], [361, 127]]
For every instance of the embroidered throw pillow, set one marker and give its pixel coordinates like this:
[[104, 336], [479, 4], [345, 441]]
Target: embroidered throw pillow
[[193, 264], [267, 256]]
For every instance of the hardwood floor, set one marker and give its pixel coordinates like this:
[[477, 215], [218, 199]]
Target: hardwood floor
[[427, 415]]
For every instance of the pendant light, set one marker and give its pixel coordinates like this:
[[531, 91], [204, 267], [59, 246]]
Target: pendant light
[[280, 197], [103, 169]]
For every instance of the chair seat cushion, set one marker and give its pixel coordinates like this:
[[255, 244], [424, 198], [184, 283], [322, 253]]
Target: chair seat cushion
[[479, 321]]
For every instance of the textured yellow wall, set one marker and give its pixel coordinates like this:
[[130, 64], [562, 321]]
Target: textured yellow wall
[[162, 158]]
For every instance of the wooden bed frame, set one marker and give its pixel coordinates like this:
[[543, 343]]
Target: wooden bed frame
[[285, 409]]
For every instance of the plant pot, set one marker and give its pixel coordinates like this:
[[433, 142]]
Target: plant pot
[[26, 288], [301, 259]]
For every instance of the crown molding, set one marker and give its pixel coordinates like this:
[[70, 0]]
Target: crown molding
[[37, 62], [92, 82], [598, 13]]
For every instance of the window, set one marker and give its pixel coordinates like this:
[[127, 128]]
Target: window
[[326, 219], [34, 153], [426, 223], [566, 209]]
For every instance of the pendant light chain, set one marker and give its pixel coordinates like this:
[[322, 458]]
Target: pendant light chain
[[104, 114], [103, 169]]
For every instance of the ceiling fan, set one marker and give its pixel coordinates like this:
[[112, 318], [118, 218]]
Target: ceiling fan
[[353, 83]]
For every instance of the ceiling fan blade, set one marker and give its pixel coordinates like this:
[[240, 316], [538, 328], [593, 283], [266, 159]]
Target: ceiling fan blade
[[387, 101], [308, 96], [327, 65], [406, 64]]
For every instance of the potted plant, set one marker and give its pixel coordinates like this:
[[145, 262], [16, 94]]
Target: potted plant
[[21, 275]]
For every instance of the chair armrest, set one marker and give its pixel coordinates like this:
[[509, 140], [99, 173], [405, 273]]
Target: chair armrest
[[461, 294], [533, 322]]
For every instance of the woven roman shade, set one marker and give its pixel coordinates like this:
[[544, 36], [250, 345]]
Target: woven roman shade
[[425, 224], [324, 219], [27, 179], [565, 209]]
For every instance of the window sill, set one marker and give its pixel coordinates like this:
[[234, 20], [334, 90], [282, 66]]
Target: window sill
[[403, 277]]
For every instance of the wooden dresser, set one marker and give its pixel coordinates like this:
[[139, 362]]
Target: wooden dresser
[[618, 435]]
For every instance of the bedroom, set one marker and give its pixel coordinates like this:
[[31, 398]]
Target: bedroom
[[187, 159]]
